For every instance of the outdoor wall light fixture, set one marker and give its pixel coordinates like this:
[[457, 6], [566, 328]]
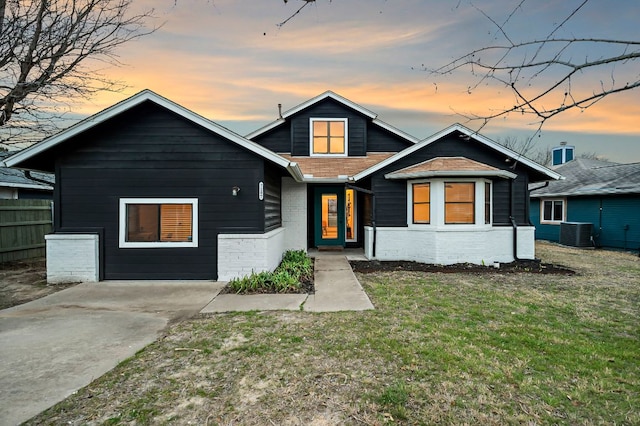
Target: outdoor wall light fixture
[[235, 190]]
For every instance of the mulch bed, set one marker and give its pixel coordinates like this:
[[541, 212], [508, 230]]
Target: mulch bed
[[520, 266]]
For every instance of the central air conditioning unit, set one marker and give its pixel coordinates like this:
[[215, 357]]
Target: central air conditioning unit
[[576, 234]]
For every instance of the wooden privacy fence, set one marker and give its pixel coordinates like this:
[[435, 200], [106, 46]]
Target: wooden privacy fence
[[23, 225]]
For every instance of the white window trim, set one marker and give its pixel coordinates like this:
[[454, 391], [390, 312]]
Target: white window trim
[[123, 243], [437, 205], [553, 222], [346, 136]]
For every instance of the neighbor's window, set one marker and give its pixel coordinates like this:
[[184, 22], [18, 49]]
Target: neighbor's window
[[459, 202], [158, 223], [421, 202], [553, 211], [328, 137]]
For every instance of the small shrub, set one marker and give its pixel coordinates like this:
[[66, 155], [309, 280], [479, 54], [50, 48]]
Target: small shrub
[[295, 268]]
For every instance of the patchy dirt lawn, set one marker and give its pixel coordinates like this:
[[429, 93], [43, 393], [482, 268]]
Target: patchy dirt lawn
[[23, 281], [440, 348]]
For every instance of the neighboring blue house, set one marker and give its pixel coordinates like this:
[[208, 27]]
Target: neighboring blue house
[[603, 194]]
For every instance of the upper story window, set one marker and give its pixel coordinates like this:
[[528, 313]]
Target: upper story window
[[329, 136], [552, 211], [158, 222]]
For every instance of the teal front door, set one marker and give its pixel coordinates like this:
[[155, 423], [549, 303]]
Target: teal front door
[[329, 216]]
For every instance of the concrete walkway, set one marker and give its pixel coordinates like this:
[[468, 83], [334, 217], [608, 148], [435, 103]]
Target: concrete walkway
[[337, 289]]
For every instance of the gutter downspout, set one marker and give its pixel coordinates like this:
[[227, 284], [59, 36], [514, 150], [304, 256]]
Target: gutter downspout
[[514, 225]]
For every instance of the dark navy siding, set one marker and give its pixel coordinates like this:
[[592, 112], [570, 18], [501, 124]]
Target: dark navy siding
[[277, 140], [272, 199], [391, 195], [381, 140], [328, 108], [150, 152], [293, 136]]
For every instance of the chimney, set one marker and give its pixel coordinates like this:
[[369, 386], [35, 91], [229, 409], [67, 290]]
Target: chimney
[[280, 111]]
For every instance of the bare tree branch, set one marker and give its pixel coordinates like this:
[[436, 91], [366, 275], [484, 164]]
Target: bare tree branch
[[547, 75], [48, 52]]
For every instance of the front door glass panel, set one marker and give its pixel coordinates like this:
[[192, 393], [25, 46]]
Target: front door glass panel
[[329, 216]]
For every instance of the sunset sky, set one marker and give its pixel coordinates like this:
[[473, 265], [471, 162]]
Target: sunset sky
[[228, 61]]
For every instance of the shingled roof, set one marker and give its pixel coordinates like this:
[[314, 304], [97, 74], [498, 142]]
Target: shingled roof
[[13, 178], [592, 177]]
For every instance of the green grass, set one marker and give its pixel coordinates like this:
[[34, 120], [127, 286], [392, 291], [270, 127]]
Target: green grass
[[438, 349]]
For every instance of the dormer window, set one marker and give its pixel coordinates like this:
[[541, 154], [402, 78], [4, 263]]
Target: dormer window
[[329, 136]]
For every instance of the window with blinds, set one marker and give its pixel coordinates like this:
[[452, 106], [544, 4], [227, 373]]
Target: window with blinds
[[158, 223], [459, 202]]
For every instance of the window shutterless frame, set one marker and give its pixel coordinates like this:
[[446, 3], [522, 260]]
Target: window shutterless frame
[[328, 137], [126, 213], [552, 211]]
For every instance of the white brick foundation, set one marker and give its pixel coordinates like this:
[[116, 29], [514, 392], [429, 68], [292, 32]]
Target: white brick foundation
[[241, 254], [72, 258], [294, 214], [446, 247]]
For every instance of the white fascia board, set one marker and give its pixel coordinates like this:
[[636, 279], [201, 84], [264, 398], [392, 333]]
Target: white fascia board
[[506, 151], [452, 173], [307, 104], [396, 131], [145, 95], [486, 141], [294, 169], [266, 128], [311, 179]]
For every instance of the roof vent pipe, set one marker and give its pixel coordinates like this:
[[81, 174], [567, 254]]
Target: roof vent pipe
[[280, 111]]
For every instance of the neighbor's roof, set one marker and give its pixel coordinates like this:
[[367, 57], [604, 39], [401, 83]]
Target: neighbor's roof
[[468, 134], [13, 178], [448, 167], [137, 99], [331, 95], [592, 177], [332, 169]]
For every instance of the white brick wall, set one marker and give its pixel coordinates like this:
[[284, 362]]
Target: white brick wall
[[72, 258], [294, 214], [241, 254], [445, 247]]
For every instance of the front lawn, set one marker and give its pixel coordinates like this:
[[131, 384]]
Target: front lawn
[[446, 348]]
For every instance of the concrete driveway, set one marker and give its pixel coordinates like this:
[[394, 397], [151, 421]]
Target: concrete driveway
[[53, 346]]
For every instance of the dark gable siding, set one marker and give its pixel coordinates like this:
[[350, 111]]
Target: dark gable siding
[[391, 195], [272, 199], [150, 152], [381, 140], [277, 140], [329, 108]]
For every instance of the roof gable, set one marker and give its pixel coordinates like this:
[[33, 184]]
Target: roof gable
[[138, 99], [469, 135], [447, 167], [329, 95]]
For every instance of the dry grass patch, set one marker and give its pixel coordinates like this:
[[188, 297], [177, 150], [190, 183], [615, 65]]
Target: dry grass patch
[[439, 348]]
